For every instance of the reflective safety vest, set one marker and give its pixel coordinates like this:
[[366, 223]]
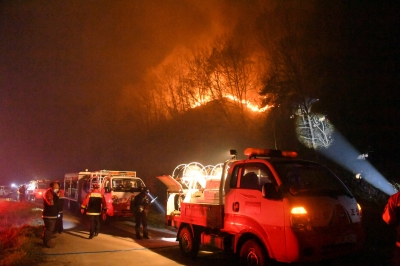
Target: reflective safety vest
[[94, 203]]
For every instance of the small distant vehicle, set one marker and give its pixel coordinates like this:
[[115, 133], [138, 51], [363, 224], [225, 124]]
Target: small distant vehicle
[[268, 206], [5, 191], [119, 189], [36, 189]]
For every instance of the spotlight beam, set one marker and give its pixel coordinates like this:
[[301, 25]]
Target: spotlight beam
[[343, 153]]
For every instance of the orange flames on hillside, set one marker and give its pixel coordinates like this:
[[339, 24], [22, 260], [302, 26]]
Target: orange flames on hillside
[[251, 106]]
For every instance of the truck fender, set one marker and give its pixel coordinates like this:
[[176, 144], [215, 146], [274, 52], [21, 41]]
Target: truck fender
[[242, 238], [193, 228], [255, 231], [182, 225]]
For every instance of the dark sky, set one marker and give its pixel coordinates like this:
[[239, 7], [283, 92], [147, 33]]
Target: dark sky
[[64, 66]]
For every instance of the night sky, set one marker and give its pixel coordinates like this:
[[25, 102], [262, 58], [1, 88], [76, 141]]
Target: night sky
[[66, 68]]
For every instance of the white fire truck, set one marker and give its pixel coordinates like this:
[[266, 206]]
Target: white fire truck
[[268, 206], [36, 188], [119, 188]]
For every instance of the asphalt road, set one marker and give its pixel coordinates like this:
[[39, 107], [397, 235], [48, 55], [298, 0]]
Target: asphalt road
[[116, 245]]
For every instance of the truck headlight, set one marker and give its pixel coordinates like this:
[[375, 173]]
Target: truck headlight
[[359, 210], [299, 218], [115, 199]]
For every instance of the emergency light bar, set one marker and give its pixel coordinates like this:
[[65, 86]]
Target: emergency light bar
[[114, 173], [253, 152], [133, 173]]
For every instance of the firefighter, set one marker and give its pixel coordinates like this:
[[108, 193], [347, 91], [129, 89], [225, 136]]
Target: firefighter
[[50, 213], [391, 215], [139, 208], [93, 205], [21, 191], [59, 228]]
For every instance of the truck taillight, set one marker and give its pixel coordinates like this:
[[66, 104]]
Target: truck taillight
[[299, 219]]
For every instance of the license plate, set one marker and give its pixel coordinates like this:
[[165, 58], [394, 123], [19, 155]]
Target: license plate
[[346, 239]]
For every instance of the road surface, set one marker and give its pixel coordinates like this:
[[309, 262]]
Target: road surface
[[116, 245]]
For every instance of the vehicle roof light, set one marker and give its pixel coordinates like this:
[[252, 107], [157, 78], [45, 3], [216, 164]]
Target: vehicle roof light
[[298, 210], [289, 154], [133, 173], [254, 152], [114, 173]]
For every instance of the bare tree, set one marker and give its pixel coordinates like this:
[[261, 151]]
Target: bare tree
[[171, 88], [295, 76], [314, 130]]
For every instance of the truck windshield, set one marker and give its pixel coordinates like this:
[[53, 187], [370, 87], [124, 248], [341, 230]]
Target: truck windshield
[[310, 179], [43, 185], [126, 184]]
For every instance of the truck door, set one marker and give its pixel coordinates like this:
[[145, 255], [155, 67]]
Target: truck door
[[254, 213], [175, 193]]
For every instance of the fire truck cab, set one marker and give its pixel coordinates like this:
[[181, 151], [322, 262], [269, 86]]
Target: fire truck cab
[[36, 189], [118, 187], [268, 206]]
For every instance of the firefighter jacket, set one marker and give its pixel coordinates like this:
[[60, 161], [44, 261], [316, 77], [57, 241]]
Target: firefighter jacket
[[140, 202], [94, 203], [391, 214], [50, 205]]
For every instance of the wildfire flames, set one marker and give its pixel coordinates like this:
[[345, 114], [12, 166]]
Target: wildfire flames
[[251, 106]]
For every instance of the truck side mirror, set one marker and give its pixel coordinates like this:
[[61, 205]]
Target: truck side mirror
[[270, 191], [107, 190]]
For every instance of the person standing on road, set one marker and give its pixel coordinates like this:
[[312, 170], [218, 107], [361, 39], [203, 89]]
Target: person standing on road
[[93, 205], [139, 209], [59, 228], [22, 190], [50, 213], [391, 215]]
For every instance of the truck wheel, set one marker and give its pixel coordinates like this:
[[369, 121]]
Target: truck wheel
[[189, 248], [252, 253]]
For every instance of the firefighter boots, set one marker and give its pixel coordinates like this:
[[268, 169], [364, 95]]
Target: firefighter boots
[[145, 233], [138, 233], [50, 244]]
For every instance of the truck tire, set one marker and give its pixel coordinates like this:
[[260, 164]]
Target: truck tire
[[252, 253], [189, 248]]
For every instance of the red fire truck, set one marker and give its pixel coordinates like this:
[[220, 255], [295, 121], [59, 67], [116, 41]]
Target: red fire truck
[[268, 206], [36, 188], [119, 188]]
